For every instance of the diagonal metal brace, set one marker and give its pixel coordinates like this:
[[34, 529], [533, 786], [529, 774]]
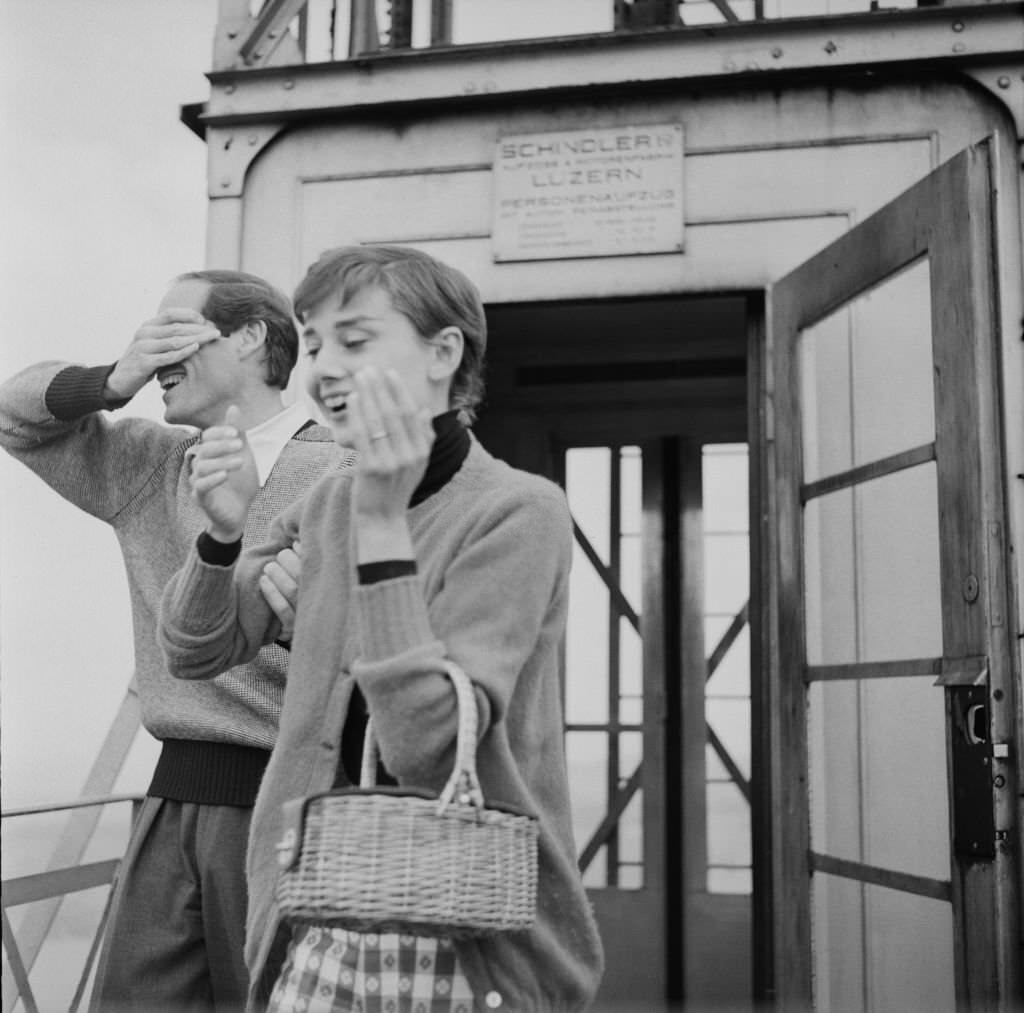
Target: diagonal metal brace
[[723, 8], [606, 576], [269, 28]]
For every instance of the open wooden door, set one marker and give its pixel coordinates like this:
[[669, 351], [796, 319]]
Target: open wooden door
[[890, 694]]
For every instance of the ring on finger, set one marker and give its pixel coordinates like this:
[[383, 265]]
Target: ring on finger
[[381, 434]]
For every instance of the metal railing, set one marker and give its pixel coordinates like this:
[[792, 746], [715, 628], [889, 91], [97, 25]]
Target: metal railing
[[252, 34], [66, 872], [55, 884]]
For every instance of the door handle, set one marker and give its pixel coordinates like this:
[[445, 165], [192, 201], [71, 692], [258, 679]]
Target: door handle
[[976, 724]]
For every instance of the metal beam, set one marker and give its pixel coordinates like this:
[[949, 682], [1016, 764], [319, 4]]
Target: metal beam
[[723, 8], [920, 40], [607, 577], [611, 819], [735, 774], [739, 621], [58, 882], [77, 803], [94, 949], [268, 30], [19, 987], [905, 882]]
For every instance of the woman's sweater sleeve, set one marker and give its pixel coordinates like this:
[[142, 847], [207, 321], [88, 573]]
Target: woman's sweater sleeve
[[491, 613], [214, 617]]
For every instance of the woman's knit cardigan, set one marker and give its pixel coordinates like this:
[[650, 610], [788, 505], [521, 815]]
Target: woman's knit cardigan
[[493, 548]]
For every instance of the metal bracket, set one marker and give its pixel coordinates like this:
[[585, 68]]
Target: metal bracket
[[230, 152], [268, 30], [1006, 84], [970, 671]]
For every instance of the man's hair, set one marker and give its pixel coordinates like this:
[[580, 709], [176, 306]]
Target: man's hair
[[236, 299], [431, 295]]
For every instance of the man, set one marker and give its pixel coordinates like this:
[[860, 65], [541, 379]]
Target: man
[[220, 340]]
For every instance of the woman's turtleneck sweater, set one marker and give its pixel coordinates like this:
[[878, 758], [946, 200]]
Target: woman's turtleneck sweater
[[451, 445]]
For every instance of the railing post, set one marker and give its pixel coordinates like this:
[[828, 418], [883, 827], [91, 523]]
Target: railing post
[[17, 969]]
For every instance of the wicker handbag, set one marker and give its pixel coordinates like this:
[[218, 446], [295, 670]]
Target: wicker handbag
[[401, 859]]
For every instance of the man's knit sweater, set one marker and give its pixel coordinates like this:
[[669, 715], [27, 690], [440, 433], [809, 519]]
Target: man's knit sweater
[[132, 474], [493, 547]]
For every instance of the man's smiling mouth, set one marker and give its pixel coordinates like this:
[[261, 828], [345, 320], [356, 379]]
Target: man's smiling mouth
[[170, 377]]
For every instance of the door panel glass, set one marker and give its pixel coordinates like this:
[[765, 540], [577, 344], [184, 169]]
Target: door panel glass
[[586, 684], [586, 755], [726, 570], [898, 565], [724, 486], [880, 949], [726, 545], [907, 827], [730, 717], [877, 758], [732, 676], [871, 570], [866, 376], [909, 943], [837, 926], [630, 829], [604, 671], [728, 839]]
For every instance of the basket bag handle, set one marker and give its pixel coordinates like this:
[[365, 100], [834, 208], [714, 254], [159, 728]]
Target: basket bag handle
[[463, 785]]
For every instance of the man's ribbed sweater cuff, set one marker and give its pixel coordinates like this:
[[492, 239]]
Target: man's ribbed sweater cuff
[[209, 773], [210, 585], [78, 390]]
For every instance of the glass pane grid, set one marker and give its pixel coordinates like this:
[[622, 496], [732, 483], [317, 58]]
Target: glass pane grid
[[866, 376], [727, 690], [604, 663]]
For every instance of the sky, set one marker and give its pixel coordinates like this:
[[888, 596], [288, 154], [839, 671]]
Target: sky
[[103, 202]]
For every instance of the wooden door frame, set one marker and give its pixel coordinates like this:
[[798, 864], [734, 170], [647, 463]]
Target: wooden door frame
[[930, 219]]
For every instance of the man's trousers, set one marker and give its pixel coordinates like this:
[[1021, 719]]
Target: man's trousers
[[174, 940]]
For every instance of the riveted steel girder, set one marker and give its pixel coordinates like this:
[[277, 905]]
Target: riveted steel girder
[[924, 40]]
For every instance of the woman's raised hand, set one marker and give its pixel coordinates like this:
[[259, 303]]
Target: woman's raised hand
[[393, 436]]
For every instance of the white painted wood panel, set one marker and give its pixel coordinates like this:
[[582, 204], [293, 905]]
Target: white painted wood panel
[[779, 159]]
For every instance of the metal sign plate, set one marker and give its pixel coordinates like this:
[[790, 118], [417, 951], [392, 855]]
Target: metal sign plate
[[602, 192]]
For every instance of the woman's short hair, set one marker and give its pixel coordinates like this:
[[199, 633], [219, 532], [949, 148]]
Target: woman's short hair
[[430, 294], [236, 299]]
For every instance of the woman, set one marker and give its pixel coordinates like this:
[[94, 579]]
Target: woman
[[432, 550]]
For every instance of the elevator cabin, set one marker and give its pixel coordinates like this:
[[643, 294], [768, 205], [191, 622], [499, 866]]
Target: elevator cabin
[[761, 328]]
